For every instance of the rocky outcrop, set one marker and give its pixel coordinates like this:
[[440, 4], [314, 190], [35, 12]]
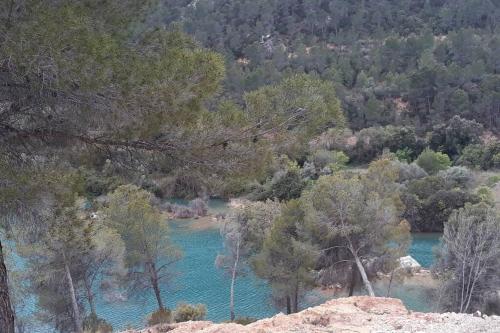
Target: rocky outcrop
[[354, 314]]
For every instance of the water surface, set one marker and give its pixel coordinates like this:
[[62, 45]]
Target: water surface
[[197, 280]]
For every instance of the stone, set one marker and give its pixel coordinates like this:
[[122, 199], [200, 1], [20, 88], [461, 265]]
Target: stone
[[353, 314]]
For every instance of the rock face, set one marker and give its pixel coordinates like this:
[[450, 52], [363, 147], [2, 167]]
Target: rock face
[[354, 314]]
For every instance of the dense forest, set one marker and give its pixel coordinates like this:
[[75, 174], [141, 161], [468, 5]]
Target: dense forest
[[343, 125]]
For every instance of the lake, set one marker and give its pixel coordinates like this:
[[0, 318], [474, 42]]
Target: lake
[[199, 281]]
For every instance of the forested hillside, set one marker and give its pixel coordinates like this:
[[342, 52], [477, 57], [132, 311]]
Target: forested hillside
[[408, 62]]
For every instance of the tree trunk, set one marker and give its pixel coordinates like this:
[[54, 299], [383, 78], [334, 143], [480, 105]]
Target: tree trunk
[[390, 284], [362, 271], [6, 312], [288, 305], [156, 287], [74, 304], [354, 277], [233, 278], [90, 296], [295, 307]]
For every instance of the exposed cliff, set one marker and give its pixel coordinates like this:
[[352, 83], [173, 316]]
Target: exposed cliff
[[355, 314]]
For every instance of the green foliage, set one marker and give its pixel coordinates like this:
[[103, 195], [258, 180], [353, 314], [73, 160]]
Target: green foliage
[[430, 200], [145, 234], [472, 156], [287, 258], [481, 156], [456, 134], [343, 206], [486, 195], [456, 176], [287, 183], [404, 154], [187, 312], [301, 105], [371, 142], [160, 316], [493, 180], [333, 159], [432, 161]]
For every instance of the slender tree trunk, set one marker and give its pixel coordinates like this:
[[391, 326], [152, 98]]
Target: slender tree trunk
[[354, 277], [155, 285], [362, 271], [390, 284], [288, 305], [90, 296], [233, 279], [295, 308], [6, 312], [76, 311]]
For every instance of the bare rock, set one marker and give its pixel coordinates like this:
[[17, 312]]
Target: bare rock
[[360, 314]]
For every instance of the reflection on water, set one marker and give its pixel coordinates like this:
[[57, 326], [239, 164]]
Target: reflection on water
[[199, 281]]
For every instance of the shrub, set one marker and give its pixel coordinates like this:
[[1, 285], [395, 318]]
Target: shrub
[[486, 195], [371, 142], [457, 133], [322, 158], [187, 312], [481, 156], [493, 180], [426, 186], [433, 162], [404, 154], [182, 212], [409, 172], [160, 316], [308, 171], [456, 176], [491, 157], [199, 207], [472, 156], [94, 324], [287, 185]]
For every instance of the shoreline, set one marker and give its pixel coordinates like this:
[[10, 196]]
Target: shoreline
[[421, 280]]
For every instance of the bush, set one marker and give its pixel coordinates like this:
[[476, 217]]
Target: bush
[[199, 207], [409, 172], [187, 312], [161, 316], [493, 180], [371, 142], [182, 212], [472, 156], [481, 156], [486, 195], [287, 185], [94, 324], [456, 134], [404, 154], [456, 176], [322, 158], [433, 162]]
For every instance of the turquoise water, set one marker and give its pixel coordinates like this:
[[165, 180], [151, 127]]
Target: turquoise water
[[197, 280], [422, 247]]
